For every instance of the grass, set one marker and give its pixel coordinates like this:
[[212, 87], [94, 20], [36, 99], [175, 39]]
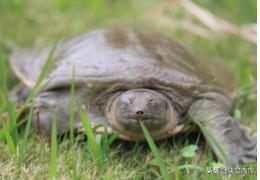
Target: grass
[[53, 158], [10, 128], [39, 23], [72, 108], [156, 153], [93, 145]]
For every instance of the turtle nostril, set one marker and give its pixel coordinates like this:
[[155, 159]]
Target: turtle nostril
[[139, 113]]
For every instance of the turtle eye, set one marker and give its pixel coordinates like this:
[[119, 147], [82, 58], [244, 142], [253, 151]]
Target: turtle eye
[[151, 101], [131, 100]]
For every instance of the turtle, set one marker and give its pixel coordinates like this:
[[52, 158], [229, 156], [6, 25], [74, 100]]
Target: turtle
[[124, 76]]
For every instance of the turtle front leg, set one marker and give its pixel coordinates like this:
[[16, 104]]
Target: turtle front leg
[[212, 111]]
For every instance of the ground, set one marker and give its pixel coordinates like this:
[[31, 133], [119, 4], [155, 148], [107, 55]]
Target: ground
[[35, 23]]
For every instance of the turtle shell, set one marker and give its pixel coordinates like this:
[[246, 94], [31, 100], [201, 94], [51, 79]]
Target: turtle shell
[[122, 59], [104, 63]]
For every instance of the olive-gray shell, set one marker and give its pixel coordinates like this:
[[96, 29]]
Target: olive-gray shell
[[124, 57]]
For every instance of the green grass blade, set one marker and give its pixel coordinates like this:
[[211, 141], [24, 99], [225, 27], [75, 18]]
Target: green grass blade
[[23, 144], [155, 152], [27, 130], [94, 146], [44, 70], [11, 126], [11, 123], [214, 143], [10, 143], [53, 157], [177, 174], [12, 120], [72, 104]]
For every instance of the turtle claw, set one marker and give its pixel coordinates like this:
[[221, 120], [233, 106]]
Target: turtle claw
[[249, 149]]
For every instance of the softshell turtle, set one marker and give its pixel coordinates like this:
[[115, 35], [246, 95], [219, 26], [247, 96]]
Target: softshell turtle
[[124, 76]]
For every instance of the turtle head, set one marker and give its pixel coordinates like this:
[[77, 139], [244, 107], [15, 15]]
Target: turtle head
[[151, 107]]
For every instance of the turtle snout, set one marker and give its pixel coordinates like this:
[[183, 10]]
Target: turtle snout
[[139, 113], [140, 109], [139, 105]]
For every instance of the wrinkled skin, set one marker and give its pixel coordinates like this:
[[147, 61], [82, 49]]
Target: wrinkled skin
[[123, 77]]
